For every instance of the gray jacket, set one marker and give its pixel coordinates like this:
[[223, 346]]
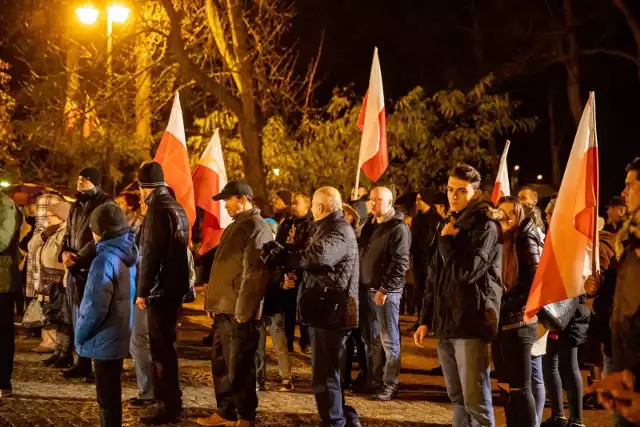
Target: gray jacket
[[238, 276]]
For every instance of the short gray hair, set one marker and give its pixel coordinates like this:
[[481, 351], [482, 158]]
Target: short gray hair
[[329, 198]]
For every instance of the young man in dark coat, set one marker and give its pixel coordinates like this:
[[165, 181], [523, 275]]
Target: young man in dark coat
[[462, 298], [163, 280], [328, 299], [384, 260], [78, 252], [236, 287]]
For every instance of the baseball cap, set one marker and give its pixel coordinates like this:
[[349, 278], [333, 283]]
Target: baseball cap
[[234, 188]]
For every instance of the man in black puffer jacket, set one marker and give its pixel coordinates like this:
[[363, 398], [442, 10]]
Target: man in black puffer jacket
[[384, 252], [163, 280], [77, 254], [328, 299], [462, 299]]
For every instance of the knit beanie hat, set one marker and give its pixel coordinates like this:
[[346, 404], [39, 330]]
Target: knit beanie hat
[[61, 210], [108, 219], [151, 175], [286, 196], [92, 174]]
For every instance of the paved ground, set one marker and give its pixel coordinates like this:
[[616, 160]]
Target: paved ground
[[43, 398]]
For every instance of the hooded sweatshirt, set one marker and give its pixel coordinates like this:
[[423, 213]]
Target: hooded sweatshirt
[[104, 321]]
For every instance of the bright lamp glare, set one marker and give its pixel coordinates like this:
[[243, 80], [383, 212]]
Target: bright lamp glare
[[87, 15], [118, 13], [516, 168], [5, 184], [276, 172], [539, 177]]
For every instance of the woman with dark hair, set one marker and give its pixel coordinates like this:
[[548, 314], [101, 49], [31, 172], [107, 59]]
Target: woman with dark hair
[[522, 246], [131, 205]]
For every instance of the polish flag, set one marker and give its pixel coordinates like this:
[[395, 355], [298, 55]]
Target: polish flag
[[569, 255], [374, 157], [209, 178], [501, 188], [173, 156]]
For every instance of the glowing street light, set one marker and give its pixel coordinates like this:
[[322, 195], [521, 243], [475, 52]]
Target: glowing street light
[[516, 168], [5, 184], [539, 177], [276, 172], [118, 14], [87, 15]]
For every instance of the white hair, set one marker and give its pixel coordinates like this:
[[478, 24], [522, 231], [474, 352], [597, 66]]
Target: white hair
[[329, 198]]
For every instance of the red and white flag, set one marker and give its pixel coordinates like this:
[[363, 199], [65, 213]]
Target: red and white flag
[[209, 178], [501, 187], [372, 120], [569, 255], [172, 154]]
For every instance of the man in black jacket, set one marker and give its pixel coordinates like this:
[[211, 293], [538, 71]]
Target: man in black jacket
[[384, 260], [163, 280], [236, 287], [462, 298], [328, 300], [78, 251]]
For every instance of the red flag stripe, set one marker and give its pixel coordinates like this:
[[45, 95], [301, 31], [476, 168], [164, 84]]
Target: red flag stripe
[[375, 166]]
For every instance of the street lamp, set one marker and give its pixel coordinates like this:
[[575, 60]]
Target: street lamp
[[276, 172], [118, 14], [539, 177], [87, 15], [5, 184], [516, 168]]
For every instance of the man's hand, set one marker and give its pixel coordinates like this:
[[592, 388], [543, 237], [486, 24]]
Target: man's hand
[[240, 320], [418, 337], [68, 259], [380, 298], [450, 229], [141, 303], [289, 281], [592, 285]]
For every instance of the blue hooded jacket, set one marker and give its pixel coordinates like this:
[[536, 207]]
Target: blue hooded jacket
[[103, 328]]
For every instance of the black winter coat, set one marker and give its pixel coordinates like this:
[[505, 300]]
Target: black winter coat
[[529, 243], [464, 285], [330, 261], [294, 234], [425, 229], [384, 254], [164, 235]]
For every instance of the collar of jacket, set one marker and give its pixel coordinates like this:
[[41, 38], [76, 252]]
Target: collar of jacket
[[243, 216], [84, 196], [331, 217], [392, 214], [475, 209], [157, 191]]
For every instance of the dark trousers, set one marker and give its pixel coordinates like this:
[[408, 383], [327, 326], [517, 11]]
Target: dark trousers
[[233, 367], [162, 318], [512, 359], [561, 368], [109, 392], [356, 342], [7, 343], [327, 359], [290, 316]]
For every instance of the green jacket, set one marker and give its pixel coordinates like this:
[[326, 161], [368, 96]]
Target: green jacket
[[10, 221]]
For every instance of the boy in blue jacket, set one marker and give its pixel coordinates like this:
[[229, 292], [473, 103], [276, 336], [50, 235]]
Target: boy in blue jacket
[[104, 321]]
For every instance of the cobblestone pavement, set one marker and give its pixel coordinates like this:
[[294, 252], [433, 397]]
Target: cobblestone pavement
[[43, 398]]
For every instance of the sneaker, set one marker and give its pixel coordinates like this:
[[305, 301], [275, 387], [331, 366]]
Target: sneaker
[[590, 401], [216, 420], [7, 392], [160, 416], [555, 422], [245, 423], [63, 362], [286, 385], [385, 393], [134, 401], [261, 387]]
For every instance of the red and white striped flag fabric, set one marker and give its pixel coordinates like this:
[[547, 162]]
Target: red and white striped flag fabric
[[501, 187], [172, 154], [209, 178], [373, 158], [569, 255]]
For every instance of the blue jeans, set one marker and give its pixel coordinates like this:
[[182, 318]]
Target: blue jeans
[[465, 365], [327, 358], [383, 341], [141, 353], [537, 386]]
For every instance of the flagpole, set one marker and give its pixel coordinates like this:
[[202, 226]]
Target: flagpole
[[595, 242], [355, 190]]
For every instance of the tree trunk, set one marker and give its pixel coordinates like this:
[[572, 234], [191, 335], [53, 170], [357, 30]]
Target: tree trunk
[[143, 93], [572, 65], [554, 143]]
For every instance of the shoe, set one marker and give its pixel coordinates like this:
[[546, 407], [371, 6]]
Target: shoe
[[160, 416], [385, 393], [51, 359], [134, 401], [216, 420], [555, 422], [245, 423], [6, 393], [76, 371], [435, 372], [286, 385], [43, 350], [63, 362], [590, 401], [90, 379], [576, 425], [208, 340], [261, 387]]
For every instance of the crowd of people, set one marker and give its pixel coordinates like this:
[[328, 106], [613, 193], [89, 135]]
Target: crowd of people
[[110, 277]]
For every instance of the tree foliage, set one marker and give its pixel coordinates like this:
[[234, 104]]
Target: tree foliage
[[7, 104]]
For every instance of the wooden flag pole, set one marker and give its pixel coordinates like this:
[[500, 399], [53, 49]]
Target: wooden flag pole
[[596, 240], [355, 190]]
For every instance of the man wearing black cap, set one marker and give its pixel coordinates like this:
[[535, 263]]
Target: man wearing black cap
[[236, 287], [78, 251], [616, 214], [163, 280]]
